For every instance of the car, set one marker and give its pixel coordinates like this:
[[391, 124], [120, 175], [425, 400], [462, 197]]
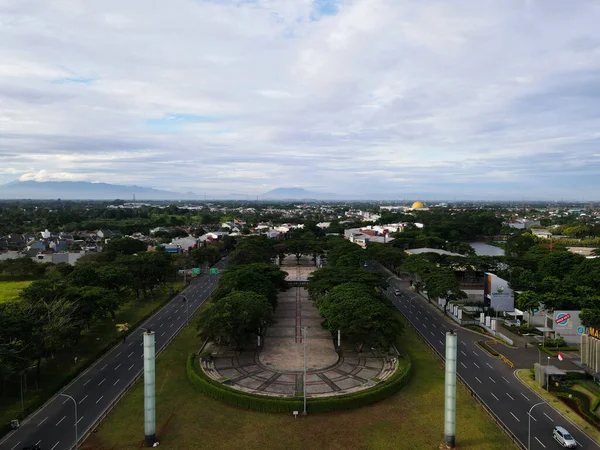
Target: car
[[563, 437], [397, 292]]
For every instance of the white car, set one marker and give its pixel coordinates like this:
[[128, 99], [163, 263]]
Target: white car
[[564, 438], [397, 292]]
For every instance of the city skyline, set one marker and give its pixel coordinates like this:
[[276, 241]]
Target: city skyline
[[363, 99]]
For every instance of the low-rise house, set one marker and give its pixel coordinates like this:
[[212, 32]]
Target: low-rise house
[[541, 233]]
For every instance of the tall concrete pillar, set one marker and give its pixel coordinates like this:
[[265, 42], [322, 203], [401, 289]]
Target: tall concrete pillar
[[450, 392], [149, 390]]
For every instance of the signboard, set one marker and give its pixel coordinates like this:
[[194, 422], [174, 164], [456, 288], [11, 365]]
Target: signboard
[[497, 294], [566, 324], [214, 271], [196, 271], [580, 330]]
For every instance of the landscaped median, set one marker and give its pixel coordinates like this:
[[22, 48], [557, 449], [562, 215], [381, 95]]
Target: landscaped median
[[261, 403]]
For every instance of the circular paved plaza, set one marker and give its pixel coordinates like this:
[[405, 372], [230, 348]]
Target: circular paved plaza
[[278, 368]]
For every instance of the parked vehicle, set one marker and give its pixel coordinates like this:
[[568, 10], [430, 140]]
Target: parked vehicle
[[563, 437]]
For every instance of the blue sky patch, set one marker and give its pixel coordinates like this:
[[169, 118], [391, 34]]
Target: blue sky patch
[[170, 122], [75, 80], [324, 8]]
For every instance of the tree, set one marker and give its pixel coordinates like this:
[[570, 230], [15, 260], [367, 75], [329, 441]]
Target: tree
[[261, 278], [236, 318], [324, 280], [590, 317], [362, 315], [442, 283], [528, 301], [125, 246]]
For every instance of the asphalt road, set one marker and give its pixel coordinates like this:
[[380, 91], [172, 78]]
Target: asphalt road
[[493, 381], [53, 425]]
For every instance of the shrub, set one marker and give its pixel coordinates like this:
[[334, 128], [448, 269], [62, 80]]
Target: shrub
[[488, 349], [273, 404]]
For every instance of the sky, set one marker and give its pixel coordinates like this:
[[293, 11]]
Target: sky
[[481, 99]]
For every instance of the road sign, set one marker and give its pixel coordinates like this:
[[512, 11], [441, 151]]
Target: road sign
[[196, 271], [535, 311], [580, 330], [214, 271]]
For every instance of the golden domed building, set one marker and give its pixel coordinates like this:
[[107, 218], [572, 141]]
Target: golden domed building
[[417, 205]]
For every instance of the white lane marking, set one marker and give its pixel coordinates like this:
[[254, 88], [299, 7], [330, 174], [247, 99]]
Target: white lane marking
[[464, 354], [117, 366], [82, 399], [66, 400], [130, 367], [549, 418], [101, 397], [178, 317], [161, 325], [129, 356], [444, 334], [515, 417], [463, 364], [524, 396], [15, 445], [475, 364], [118, 354], [171, 325], [87, 381], [60, 421], [38, 442], [432, 333], [492, 379], [533, 417], [494, 396], [478, 379], [509, 396], [55, 445], [506, 380], [433, 325], [540, 442], [488, 364], [42, 421], [162, 334], [80, 419], [103, 380], [463, 343], [115, 383], [104, 367], [441, 343], [579, 443], [475, 353]]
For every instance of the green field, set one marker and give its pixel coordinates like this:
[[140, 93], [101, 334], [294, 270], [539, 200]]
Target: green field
[[9, 290], [412, 419]]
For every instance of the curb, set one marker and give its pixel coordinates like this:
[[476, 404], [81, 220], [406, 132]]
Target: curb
[[553, 407]]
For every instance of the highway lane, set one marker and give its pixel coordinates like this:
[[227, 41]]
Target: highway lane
[[491, 379], [95, 390]]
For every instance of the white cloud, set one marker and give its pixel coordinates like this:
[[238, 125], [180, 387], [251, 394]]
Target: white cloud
[[385, 95]]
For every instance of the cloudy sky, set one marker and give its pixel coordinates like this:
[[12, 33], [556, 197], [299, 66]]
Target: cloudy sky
[[380, 98]]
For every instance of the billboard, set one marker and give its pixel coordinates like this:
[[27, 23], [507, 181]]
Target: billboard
[[497, 294], [566, 324]]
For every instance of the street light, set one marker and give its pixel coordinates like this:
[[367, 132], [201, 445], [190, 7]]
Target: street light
[[529, 427], [304, 342], [539, 354], [75, 403]]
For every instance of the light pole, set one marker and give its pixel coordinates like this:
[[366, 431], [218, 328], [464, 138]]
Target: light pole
[[304, 343], [75, 403], [529, 427], [539, 354]]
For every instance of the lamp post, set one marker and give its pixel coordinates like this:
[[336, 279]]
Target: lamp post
[[75, 403], [539, 354], [304, 343], [529, 426]]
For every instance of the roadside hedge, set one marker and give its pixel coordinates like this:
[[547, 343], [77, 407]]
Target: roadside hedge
[[244, 400]]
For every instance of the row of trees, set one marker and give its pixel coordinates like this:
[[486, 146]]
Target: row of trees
[[349, 298], [242, 305], [53, 312]]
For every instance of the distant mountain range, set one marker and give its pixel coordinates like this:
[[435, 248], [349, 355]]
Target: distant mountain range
[[83, 190]]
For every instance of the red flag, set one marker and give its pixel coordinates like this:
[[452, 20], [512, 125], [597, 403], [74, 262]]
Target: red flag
[[560, 356]]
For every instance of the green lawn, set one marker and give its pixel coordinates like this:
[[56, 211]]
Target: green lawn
[[9, 290], [412, 419], [56, 372]]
